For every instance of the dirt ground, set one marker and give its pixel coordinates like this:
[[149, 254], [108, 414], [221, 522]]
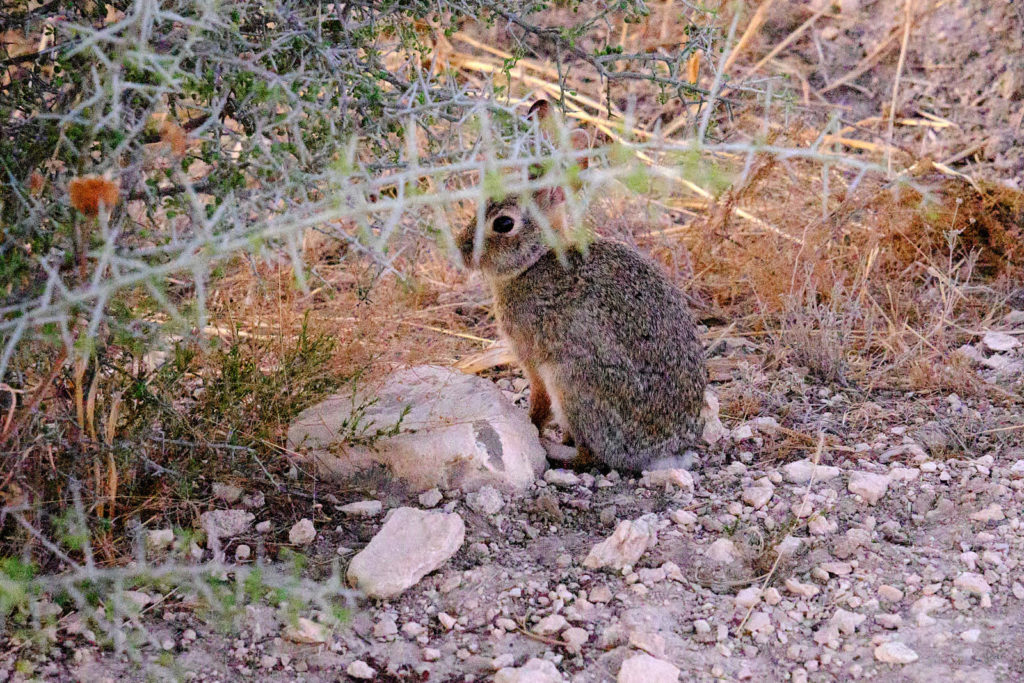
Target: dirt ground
[[962, 71], [859, 575]]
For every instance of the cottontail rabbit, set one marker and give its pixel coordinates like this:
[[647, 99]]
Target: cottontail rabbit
[[606, 340]]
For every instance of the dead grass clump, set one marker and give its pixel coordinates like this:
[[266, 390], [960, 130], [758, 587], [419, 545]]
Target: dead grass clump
[[952, 374], [987, 220]]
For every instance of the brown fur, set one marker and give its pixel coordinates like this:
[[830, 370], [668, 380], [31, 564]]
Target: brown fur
[[606, 340]]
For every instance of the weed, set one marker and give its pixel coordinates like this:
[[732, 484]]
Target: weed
[[818, 333]]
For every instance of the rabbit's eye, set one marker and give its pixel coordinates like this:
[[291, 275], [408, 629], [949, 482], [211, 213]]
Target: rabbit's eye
[[503, 224]]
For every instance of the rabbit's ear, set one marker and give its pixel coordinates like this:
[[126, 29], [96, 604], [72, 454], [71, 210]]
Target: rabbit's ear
[[547, 118], [540, 109], [549, 197]]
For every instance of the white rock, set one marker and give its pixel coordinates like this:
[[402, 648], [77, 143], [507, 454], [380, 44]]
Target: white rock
[[502, 661], [868, 485], [799, 472], [837, 568], [1017, 470], [804, 590], [788, 546], [227, 492], [137, 598], [651, 643], [904, 473], [748, 597], [302, 532], [385, 628], [909, 450], [651, 576], [644, 668], [683, 517], [550, 625], [819, 525], [429, 499], [890, 593], [1000, 341], [972, 583], [971, 352], [923, 606], [413, 629], [742, 433], [562, 478], [363, 508], [681, 479], [575, 638], [410, 545], [305, 631], [759, 623], [430, 654], [626, 545], [361, 670], [723, 550], [971, 635], [159, 539], [534, 671], [766, 425], [446, 620], [889, 621], [895, 652], [992, 513], [758, 496], [243, 552], [486, 501], [225, 523], [713, 429], [1003, 363], [802, 509], [847, 622], [456, 430]]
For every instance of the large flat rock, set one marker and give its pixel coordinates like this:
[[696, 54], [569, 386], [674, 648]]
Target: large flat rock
[[454, 431]]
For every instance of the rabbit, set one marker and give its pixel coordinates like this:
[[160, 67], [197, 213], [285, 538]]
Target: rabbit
[[606, 340]]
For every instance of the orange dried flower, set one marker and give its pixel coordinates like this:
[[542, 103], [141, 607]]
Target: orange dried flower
[[693, 67], [36, 181], [88, 192]]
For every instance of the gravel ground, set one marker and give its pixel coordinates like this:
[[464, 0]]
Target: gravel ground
[[900, 560]]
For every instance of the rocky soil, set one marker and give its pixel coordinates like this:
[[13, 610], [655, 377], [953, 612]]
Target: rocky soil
[[852, 537]]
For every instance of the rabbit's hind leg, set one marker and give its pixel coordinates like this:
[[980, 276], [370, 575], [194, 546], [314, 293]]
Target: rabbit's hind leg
[[585, 460], [540, 401], [578, 459]]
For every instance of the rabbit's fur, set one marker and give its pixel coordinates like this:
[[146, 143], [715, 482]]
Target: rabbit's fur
[[606, 340]]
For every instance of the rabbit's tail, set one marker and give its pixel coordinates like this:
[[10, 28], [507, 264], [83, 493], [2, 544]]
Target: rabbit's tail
[[673, 462]]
